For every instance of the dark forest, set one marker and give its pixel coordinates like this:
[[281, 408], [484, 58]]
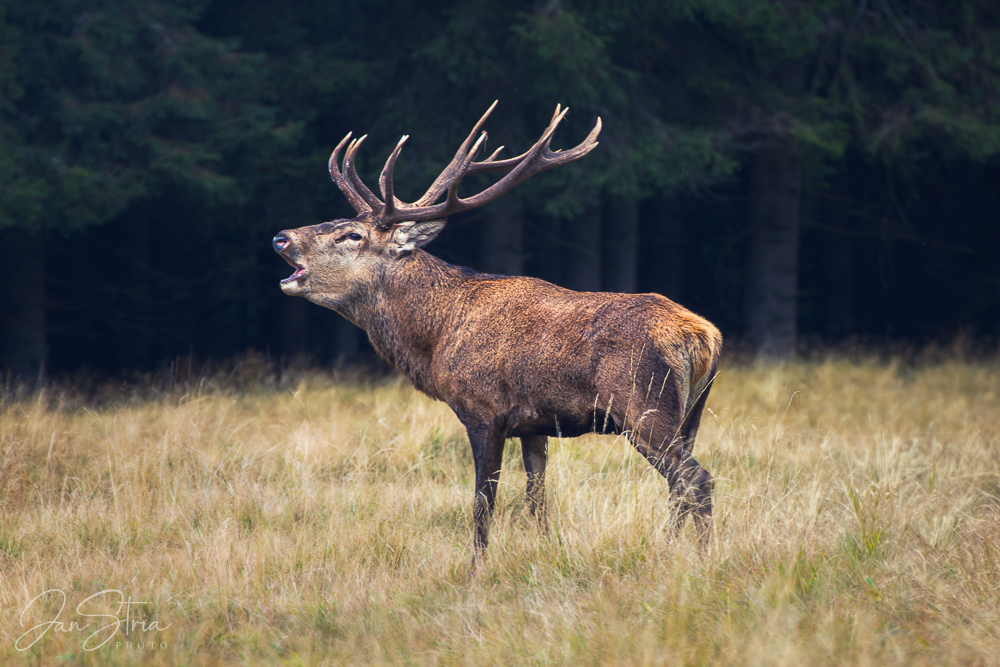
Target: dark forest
[[804, 174]]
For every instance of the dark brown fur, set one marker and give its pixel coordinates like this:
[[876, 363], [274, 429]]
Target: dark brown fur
[[512, 356], [520, 357]]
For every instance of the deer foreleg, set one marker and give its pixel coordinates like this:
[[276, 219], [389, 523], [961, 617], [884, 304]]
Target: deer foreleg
[[534, 448], [487, 450]]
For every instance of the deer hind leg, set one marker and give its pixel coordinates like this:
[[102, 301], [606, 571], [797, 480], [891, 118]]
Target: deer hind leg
[[534, 448], [688, 430], [693, 486], [667, 446], [487, 451], [699, 478]]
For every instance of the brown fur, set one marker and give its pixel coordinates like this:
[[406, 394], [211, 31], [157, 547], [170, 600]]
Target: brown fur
[[521, 357], [513, 357]]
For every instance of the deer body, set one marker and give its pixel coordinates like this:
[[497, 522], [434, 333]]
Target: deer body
[[514, 356]]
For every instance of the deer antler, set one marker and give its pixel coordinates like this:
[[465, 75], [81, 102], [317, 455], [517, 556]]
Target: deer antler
[[391, 211]]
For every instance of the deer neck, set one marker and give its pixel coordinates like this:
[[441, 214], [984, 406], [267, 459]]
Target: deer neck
[[408, 314]]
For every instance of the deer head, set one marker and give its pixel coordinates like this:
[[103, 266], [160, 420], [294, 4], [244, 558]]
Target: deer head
[[338, 262]]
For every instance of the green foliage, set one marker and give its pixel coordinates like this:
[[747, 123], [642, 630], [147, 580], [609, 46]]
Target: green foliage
[[126, 103], [111, 103], [922, 78]]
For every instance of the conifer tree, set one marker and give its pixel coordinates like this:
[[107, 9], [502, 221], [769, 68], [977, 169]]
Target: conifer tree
[[119, 106]]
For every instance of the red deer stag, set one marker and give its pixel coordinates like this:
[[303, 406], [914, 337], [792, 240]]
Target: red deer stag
[[514, 357]]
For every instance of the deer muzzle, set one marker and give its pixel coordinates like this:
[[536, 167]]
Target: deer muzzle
[[282, 244]]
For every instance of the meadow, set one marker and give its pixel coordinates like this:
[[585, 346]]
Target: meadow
[[315, 518]]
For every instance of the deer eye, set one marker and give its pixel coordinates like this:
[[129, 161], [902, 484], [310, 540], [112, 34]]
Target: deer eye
[[354, 236]]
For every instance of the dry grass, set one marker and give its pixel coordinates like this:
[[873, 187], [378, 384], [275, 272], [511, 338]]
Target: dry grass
[[857, 521]]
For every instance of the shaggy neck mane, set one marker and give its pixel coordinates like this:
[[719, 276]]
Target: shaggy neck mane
[[408, 315]]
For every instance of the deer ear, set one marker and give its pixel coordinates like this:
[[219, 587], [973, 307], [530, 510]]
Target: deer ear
[[407, 236]]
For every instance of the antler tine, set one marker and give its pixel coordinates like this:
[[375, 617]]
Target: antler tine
[[553, 124], [385, 182], [352, 174], [463, 169], [345, 186], [493, 156], [488, 165], [588, 144], [442, 182], [576, 152], [525, 164], [540, 157], [536, 159], [475, 148], [555, 114]]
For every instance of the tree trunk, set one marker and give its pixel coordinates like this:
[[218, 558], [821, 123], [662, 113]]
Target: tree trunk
[[140, 328], [25, 322], [582, 253], [837, 263], [621, 246], [502, 249], [665, 249], [772, 276]]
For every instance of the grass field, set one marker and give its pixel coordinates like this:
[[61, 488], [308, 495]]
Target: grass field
[[316, 519]]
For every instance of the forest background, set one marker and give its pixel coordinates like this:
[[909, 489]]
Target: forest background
[[801, 173]]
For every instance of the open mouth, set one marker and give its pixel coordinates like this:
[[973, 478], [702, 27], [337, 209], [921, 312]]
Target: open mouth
[[300, 272]]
